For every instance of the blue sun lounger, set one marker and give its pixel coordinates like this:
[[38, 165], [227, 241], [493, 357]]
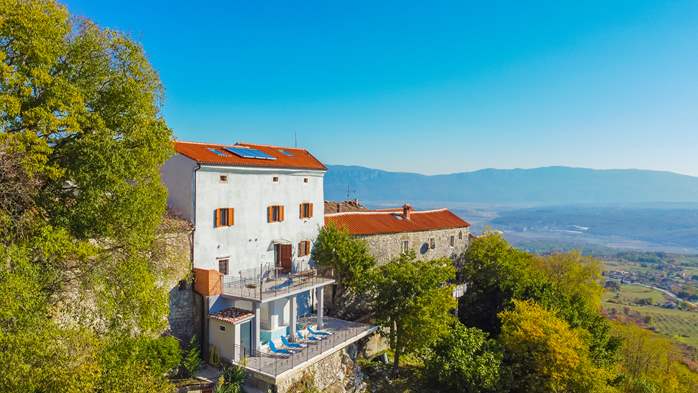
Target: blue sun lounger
[[318, 332], [276, 350], [290, 344], [308, 337]]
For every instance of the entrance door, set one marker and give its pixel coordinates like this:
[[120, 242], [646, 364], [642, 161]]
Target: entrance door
[[284, 253]]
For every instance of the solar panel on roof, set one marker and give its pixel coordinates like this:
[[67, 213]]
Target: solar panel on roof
[[286, 152], [218, 152], [246, 152]]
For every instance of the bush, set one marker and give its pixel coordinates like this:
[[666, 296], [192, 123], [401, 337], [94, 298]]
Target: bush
[[231, 380], [191, 363], [464, 361]]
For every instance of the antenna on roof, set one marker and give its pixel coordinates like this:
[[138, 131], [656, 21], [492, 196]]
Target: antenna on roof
[[295, 139]]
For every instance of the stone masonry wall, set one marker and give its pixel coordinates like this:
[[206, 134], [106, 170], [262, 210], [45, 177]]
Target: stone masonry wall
[[337, 373], [388, 246]]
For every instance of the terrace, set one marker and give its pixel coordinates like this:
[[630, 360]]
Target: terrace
[[270, 282], [270, 366]]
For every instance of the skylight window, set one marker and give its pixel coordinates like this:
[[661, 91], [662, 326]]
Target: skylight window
[[218, 152], [246, 152]]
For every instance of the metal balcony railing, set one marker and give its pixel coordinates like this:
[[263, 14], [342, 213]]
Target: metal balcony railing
[[270, 281], [274, 365]]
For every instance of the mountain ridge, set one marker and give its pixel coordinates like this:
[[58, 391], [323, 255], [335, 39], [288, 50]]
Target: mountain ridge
[[537, 186]]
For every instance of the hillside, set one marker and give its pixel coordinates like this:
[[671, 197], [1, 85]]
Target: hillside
[[539, 186]]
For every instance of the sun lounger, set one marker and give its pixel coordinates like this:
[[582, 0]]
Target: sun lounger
[[278, 351], [290, 344], [319, 332]]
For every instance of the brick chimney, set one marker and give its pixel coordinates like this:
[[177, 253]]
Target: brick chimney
[[406, 211]]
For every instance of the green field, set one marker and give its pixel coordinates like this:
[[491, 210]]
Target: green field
[[678, 324], [629, 294]]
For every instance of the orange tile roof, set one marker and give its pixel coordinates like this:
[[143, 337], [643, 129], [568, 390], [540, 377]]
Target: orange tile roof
[[377, 222], [298, 158], [232, 315]]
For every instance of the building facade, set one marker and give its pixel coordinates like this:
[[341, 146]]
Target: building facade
[[246, 211], [390, 232], [256, 211]]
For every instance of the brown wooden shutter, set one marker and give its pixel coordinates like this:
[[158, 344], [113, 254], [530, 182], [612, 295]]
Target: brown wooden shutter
[[217, 218], [307, 247], [300, 211], [281, 213], [310, 214], [231, 216], [300, 248], [269, 212]]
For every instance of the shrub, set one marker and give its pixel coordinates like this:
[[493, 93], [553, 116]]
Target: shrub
[[464, 361], [191, 363], [231, 380]]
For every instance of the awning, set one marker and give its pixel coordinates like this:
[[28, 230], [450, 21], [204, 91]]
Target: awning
[[281, 241]]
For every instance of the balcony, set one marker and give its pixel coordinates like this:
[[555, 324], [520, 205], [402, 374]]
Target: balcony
[[269, 283], [271, 366]]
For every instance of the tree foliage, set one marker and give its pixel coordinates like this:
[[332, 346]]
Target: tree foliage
[[81, 143], [464, 360], [569, 284], [191, 361], [413, 302], [651, 363], [350, 260], [543, 354]]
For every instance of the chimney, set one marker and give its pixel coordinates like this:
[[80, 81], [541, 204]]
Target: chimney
[[406, 211]]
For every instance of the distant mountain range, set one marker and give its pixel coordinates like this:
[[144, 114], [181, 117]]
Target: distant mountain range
[[539, 186]]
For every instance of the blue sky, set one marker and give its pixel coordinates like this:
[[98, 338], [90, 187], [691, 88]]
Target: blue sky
[[429, 87]]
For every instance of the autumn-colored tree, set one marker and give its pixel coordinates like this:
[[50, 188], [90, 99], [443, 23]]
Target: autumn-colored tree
[[543, 354], [497, 274], [413, 301], [651, 363], [574, 274]]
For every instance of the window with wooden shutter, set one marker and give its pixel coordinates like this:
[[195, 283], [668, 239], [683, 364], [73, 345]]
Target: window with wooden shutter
[[217, 218], [224, 217], [306, 210], [304, 248], [275, 213]]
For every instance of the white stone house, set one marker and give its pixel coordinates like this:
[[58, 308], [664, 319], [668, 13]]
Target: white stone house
[[256, 211]]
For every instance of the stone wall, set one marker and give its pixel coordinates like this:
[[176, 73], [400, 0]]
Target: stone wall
[[337, 373], [172, 257], [389, 246]]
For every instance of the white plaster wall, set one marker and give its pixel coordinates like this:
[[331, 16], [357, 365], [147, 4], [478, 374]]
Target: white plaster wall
[[178, 175], [224, 341], [250, 191]]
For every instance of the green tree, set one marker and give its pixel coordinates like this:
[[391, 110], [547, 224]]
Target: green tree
[[81, 143], [543, 354], [495, 272], [350, 261], [191, 362], [465, 361], [413, 302], [574, 274], [570, 284]]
